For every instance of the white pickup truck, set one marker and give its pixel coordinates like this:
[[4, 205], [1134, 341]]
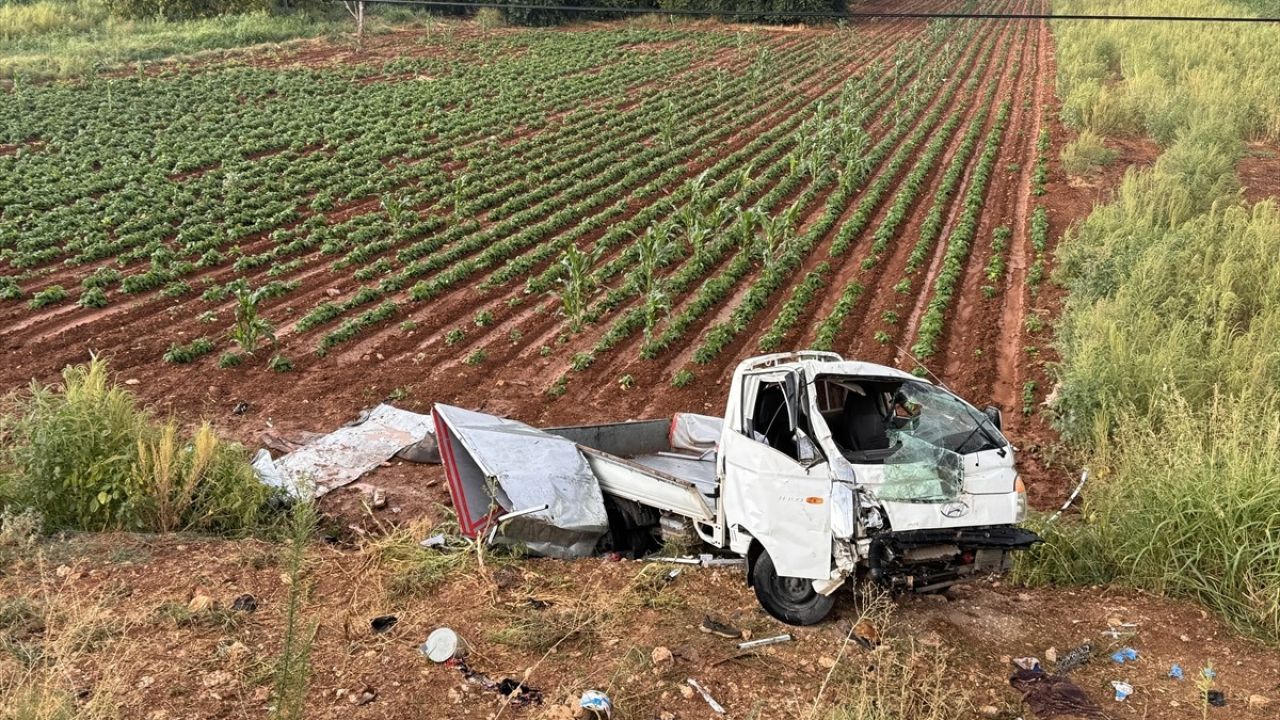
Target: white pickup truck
[[821, 470]]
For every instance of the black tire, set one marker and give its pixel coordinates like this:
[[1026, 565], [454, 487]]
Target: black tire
[[791, 600]]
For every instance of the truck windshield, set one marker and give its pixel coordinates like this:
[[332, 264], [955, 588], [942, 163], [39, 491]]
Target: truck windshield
[[929, 413]]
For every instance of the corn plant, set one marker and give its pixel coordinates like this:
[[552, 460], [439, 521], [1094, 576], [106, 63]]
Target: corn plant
[[576, 284], [655, 250], [250, 329]]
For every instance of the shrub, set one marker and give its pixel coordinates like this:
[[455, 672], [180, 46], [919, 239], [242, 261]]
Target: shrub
[[183, 9], [1086, 153], [86, 457], [761, 6]]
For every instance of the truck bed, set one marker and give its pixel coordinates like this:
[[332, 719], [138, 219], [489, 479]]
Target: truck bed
[[635, 460]]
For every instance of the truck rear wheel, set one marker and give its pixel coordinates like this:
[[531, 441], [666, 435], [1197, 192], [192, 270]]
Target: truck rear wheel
[[789, 599]]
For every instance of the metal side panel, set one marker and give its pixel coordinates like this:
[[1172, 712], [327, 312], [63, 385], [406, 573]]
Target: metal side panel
[[539, 479], [627, 479], [624, 439]]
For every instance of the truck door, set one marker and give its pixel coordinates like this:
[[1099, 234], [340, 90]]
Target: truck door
[[776, 481]]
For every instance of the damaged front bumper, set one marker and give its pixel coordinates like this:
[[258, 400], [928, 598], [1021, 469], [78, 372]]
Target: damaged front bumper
[[933, 559]]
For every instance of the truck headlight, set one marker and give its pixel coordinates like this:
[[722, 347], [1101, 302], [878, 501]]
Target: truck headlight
[[1020, 500]]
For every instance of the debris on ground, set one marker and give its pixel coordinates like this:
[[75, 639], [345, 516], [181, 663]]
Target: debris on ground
[[383, 623], [1215, 698], [1124, 655], [866, 634], [442, 645], [661, 655], [516, 691], [341, 457], [1027, 663], [596, 702], [1123, 690], [1074, 658], [1053, 695], [1175, 672], [364, 697], [378, 499], [716, 625], [435, 541], [752, 644], [245, 603], [715, 706]]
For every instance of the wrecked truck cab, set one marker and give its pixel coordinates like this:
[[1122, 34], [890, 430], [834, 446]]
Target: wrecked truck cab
[[824, 470]]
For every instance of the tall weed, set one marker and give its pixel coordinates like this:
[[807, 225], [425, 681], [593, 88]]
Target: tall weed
[[1186, 506], [87, 457]]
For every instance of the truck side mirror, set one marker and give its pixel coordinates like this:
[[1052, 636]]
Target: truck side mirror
[[993, 414]]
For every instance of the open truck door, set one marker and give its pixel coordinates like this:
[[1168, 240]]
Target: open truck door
[[778, 490]]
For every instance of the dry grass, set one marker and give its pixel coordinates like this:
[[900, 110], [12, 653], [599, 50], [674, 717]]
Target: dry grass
[[53, 642]]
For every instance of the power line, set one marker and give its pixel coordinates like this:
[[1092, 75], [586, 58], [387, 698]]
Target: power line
[[825, 14]]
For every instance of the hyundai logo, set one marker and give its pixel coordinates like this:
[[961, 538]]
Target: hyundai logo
[[955, 509]]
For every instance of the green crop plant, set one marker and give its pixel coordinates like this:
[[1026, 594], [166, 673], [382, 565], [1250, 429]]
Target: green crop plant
[[48, 296], [182, 353], [576, 285], [249, 329]]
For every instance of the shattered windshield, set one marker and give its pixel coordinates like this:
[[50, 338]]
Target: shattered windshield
[[931, 414], [931, 429], [918, 431]]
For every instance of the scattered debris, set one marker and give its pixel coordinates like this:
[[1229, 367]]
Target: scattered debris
[[1053, 695], [865, 634], [1175, 672], [383, 623], [343, 456], [671, 576], [1208, 673], [1124, 655], [199, 603], [1215, 698], [715, 706], [245, 603], [378, 499], [752, 644], [1123, 690], [661, 655], [518, 693], [1027, 663], [1074, 658], [443, 645], [435, 541], [716, 625], [1051, 655], [240, 408], [703, 559], [426, 451], [596, 702], [364, 697]]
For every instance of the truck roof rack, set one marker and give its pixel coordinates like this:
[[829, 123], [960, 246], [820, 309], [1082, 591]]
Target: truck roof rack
[[776, 359]]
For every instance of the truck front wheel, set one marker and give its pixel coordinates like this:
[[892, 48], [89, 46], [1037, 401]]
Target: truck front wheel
[[791, 600]]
